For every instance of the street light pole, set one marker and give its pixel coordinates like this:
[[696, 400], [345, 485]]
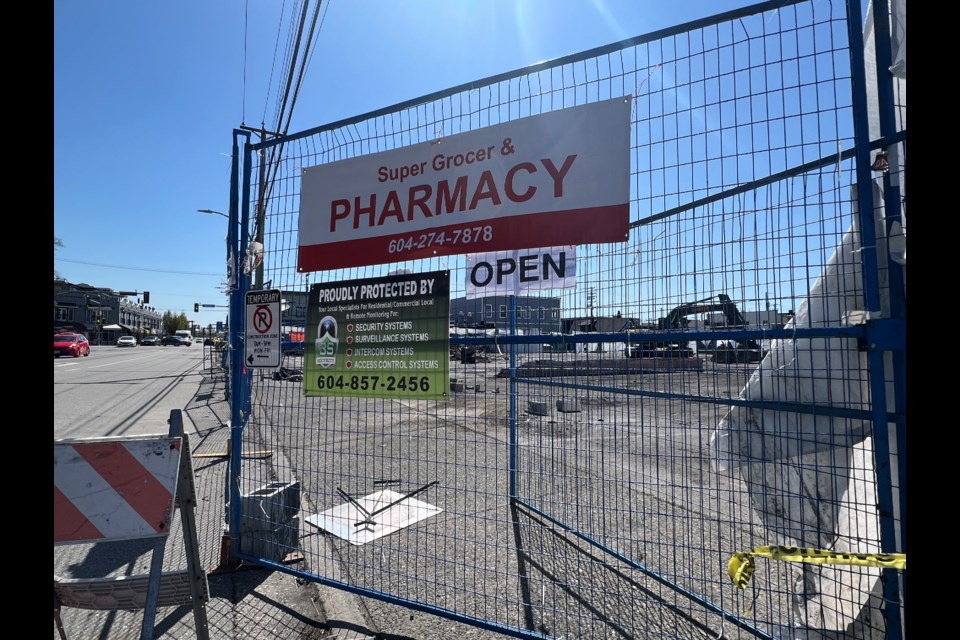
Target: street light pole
[[219, 213]]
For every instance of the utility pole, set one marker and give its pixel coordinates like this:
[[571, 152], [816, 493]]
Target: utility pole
[[261, 209], [590, 300]]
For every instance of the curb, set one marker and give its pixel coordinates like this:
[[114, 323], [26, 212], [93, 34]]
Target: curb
[[343, 614]]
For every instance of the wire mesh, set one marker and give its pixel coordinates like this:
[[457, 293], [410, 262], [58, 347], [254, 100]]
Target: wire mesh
[[605, 449]]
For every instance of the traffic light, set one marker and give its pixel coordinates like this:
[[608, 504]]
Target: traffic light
[[146, 297], [196, 307]]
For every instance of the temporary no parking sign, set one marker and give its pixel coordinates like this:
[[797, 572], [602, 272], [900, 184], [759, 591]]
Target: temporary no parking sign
[[262, 329]]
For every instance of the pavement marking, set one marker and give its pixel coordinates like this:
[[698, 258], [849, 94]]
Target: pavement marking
[[98, 366], [109, 364]]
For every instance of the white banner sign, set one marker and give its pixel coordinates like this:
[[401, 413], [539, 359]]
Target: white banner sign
[[504, 273], [552, 179]]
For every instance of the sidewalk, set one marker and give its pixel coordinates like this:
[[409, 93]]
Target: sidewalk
[[249, 602]]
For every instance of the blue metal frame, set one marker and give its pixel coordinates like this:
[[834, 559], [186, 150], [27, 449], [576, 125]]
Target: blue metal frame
[[871, 262], [897, 286], [512, 312], [239, 380], [707, 604], [879, 336]]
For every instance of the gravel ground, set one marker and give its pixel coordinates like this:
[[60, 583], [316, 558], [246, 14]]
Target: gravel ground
[[620, 527]]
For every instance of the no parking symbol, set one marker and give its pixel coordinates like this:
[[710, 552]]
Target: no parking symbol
[[262, 329], [262, 319]]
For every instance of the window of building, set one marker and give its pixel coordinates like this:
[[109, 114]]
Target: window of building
[[488, 311], [503, 311]]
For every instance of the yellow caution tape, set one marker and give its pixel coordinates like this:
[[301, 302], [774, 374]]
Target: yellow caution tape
[[741, 568], [742, 565]]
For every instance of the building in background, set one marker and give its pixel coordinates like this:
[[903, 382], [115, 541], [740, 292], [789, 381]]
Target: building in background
[[101, 314], [535, 316]]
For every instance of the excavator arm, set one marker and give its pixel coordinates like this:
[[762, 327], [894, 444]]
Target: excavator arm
[[722, 351], [676, 319]]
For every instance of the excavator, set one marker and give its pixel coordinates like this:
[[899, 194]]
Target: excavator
[[725, 351]]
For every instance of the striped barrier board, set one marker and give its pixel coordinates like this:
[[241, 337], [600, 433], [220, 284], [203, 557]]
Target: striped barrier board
[[108, 489], [114, 488]]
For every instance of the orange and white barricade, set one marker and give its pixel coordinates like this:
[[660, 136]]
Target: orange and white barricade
[[110, 489]]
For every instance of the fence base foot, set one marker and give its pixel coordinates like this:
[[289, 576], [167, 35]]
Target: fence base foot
[[228, 562]]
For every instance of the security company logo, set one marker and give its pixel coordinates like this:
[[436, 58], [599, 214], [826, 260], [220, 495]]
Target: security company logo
[[326, 343]]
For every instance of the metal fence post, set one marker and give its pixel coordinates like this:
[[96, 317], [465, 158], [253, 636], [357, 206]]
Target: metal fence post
[[512, 311], [235, 358], [870, 261]]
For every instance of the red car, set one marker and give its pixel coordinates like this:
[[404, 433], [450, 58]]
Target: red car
[[70, 344]]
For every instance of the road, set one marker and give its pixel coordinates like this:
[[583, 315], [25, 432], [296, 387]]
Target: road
[[644, 453], [117, 391]]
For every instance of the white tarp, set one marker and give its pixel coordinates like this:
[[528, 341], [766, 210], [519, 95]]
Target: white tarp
[[897, 154], [898, 22], [810, 478], [870, 67], [898, 45]]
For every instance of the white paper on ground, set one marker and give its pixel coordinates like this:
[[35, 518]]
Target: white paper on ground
[[347, 522]]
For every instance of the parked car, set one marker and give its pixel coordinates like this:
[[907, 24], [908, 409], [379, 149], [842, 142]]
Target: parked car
[[127, 341], [175, 341], [70, 344], [150, 341]]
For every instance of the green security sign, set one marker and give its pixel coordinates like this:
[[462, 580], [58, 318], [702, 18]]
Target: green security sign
[[379, 338]]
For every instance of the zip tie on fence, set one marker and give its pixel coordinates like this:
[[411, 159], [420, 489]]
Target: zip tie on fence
[[742, 565]]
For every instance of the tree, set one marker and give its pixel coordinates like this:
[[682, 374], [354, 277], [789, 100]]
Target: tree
[[172, 322]]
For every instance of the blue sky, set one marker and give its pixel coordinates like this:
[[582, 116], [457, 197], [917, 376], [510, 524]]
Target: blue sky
[[146, 96]]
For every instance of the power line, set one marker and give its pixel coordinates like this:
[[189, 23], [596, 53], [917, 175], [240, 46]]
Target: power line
[[290, 76], [302, 61], [273, 64], [322, 19], [243, 93], [116, 266]]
